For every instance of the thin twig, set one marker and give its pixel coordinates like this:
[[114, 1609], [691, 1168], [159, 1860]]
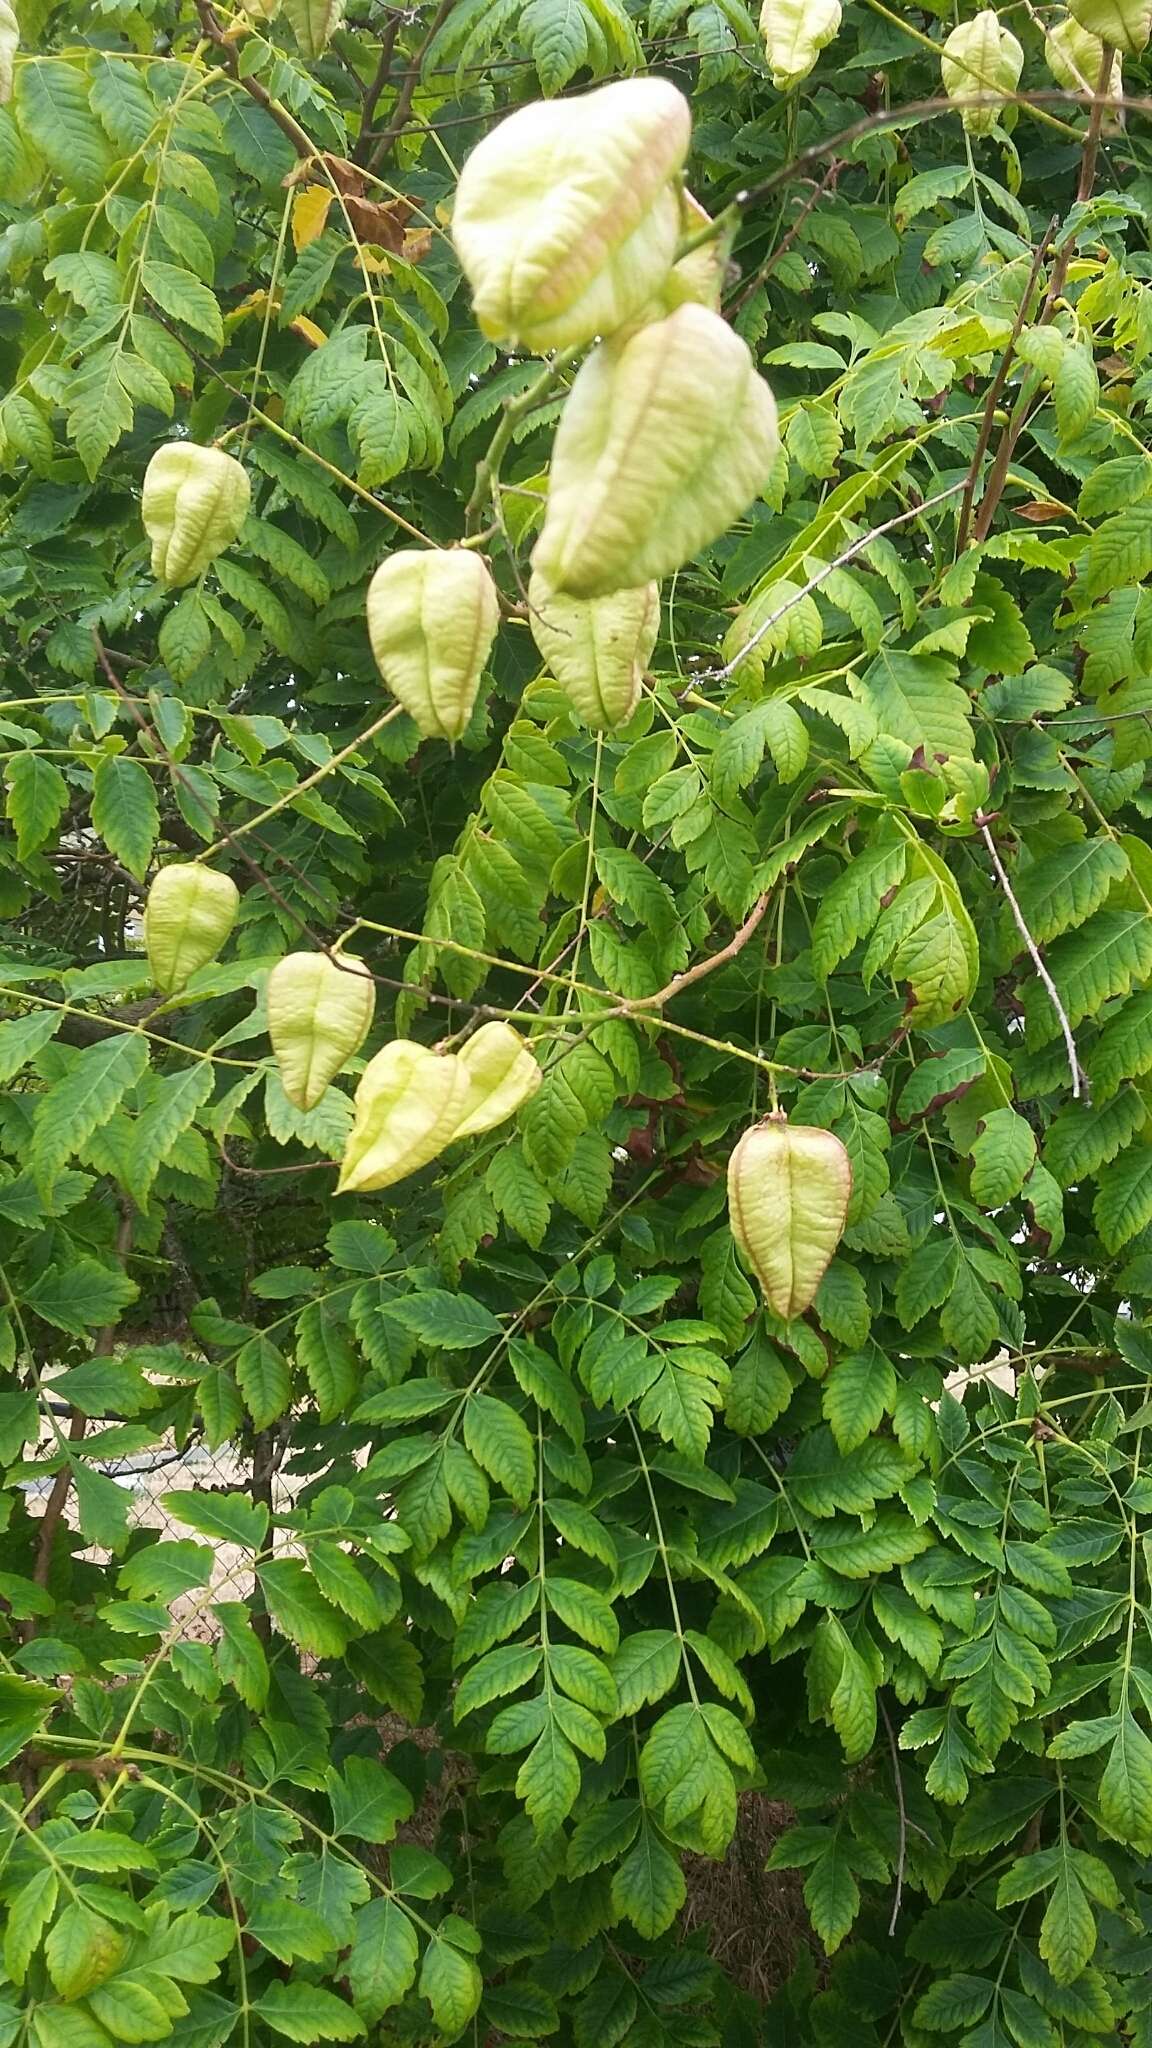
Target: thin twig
[[680, 982], [902, 1819], [372, 92], [1079, 1077], [996, 390], [301, 142], [759, 277], [383, 142], [721, 675]]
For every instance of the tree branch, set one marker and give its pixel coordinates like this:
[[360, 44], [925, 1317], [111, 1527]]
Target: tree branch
[[383, 142], [680, 982], [996, 391], [301, 143], [373, 91], [1079, 1077]]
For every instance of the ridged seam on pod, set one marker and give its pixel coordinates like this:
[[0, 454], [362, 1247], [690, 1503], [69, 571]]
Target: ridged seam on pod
[[566, 218], [597, 648], [319, 1014], [666, 437], [981, 62], [9, 44], [1075, 57], [1126, 24], [408, 1106], [502, 1076], [194, 503], [432, 618], [314, 23], [188, 915], [795, 32], [789, 1186]]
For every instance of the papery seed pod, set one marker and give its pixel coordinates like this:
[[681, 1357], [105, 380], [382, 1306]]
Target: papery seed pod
[[408, 1106], [597, 648], [1126, 24], [314, 23], [319, 1014], [795, 32], [981, 62], [502, 1075], [195, 501], [432, 618], [189, 914], [699, 276], [666, 437], [789, 1187], [566, 217], [1075, 58], [9, 44]]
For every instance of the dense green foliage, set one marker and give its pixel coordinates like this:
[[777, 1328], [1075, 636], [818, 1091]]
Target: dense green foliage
[[621, 1547]]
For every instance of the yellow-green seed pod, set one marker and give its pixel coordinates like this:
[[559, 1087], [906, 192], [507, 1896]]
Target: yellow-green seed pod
[[408, 1107], [432, 618], [666, 437], [1126, 24], [195, 502], [502, 1075], [699, 276], [319, 1014], [314, 23], [788, 1192], [795, 32], [567, 218], [9, 44], [1076, 57], [981, 62], [597, 648], [189, 914]]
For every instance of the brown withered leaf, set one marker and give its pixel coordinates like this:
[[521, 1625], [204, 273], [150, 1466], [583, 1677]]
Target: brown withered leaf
[[382, 224], [1039, 510]]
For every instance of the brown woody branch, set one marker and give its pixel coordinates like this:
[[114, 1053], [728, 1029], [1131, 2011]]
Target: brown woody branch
[[209, 22], [383, 142], [372, 93], [680, 982], [996, 391]]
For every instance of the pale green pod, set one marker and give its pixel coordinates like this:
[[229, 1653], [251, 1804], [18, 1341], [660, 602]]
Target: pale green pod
[[597, 648], [195, 501], [432, 618], [1076, 57], [567, 218], [699, 276], [188, 915], [981, 62], [1126, 24], [502, 1076], [408, 1106], [795, 32], [319, 1014], [666, 437], [789, 1186], [9, 44], [314, 23]]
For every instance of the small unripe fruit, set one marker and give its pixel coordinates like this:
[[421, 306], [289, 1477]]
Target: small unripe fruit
[[795, 32], [432, 618], [188, 916], [319, 1014], [981, 63], [408, 1106], [789, 1186], [195, 501], [597, 648], [1126, 24]]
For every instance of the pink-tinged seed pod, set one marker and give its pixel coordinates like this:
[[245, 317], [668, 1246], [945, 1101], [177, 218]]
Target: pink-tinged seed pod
[[789, 1186], [567, 214], [667, 435]]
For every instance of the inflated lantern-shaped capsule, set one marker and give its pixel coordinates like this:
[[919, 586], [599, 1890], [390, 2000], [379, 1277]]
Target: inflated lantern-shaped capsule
[[1076, 58], [597, 648], [789, 1186], [567, 217], [195, 501], [319, 1014], [432, 618], [188, 915], [407, 1108], [981, 63], [314, 23], [667, 435], [1126, 24], [795, 32], [502, 1076]]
